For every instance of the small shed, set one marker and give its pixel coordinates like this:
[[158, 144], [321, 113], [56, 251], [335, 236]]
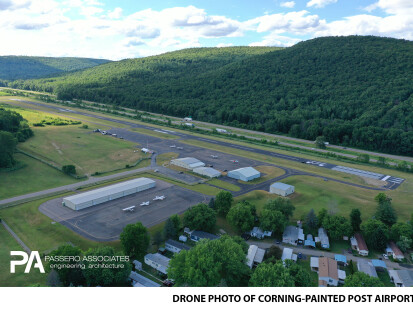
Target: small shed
[[281, 189]]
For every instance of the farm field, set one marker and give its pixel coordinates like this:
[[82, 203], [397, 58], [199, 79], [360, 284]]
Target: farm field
[[34, 176], [89, 152]]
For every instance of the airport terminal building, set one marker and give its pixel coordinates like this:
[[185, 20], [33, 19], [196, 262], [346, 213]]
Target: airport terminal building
[[107, 193], [244, 174]]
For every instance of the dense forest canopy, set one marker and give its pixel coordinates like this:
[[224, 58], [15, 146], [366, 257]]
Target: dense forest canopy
[[26, 67], [352, 90]]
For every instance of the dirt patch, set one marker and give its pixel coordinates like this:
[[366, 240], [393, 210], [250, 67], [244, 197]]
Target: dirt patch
[[57, 148], [374, 182]]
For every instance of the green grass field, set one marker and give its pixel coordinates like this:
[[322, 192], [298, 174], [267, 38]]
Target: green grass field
[[34, 176], [18, 279], [314, 193], [89, 152], [223, 184], [165, 158]]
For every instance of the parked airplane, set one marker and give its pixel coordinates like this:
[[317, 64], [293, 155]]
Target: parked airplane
[[146, 203], [179, 147], [130, 209], [214, 156], [173, 146], [159, 198], [234, 160]]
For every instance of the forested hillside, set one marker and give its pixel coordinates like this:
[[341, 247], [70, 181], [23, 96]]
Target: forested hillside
[[25, 67], [353, 90]]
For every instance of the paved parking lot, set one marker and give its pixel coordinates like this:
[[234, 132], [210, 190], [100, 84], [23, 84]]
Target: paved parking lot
[[106, 221]]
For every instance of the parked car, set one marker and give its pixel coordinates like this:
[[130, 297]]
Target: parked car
[[168, 283], [385, 256], [181, 172], [300, 256]]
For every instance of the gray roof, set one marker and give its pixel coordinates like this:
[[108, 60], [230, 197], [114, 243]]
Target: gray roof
[[293, 233], [163, 261], [207, 170], [322, 235], [178, 245], [255, 254], [406, 276], [108, 190], [246, 171], [366, 267], [281, 186], [143, 280], [204, 235]]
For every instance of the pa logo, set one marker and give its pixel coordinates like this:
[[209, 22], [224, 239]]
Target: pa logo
[[26, 260]]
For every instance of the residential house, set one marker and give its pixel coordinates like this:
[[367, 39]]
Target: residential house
[[393, 250], [288, 254], [157, 261], [341, 259], [323, 238], [379, 264], [259, 233], [198, 235], [358, 244], [139, 280], [293, 235], [327, 272], [314, 263], [366, 267], [309, 241], [401, 278], [255, 256], [175, 246]]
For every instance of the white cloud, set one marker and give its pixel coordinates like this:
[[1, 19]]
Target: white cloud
[[297, 22], [275, 39], [14, 4], [320, 3], [402, 7], [116, 13], [288, 4]]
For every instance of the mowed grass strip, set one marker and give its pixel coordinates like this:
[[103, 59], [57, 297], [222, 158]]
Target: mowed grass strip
[[223, 184], [165, 158], [89, 152], [18, 279], [34, 176]]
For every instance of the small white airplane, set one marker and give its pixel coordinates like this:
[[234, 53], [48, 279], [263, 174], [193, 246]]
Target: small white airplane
[[214, 156], [179, 147], [173, 146], [234, 160], [130, 209], [146, 203], [159, 198]]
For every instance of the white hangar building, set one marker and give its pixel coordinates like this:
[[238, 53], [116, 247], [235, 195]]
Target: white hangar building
[[187, 163], [244, 174], [281, 189], [208, 172], [107, 193]]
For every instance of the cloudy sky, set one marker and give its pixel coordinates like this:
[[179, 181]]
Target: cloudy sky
[[135, 28]]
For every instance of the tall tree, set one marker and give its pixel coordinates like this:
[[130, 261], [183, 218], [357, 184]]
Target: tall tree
[[209, 263], [355, 219], [200, 217], [376, 234], [241, 216], [361, 279], [400, 229], [272, 220], [271, 275], [117, 276], [7, 146], [135, 240], [386, 213], [311, 220], [337, 226], [283, 205], [321, 216], [223, 202]]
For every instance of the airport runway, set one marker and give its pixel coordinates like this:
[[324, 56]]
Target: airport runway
[[392, 181]]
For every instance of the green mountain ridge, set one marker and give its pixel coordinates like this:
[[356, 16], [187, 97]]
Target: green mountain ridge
[[30, 67], [355, 90]]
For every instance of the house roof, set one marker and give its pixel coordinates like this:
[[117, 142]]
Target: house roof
[[406, 276], [340, 258], [281, 186], [341, 274], [142, 281], [309, 243], [255, 254], [293, 233], [108, 190], [377, 263], [360, 242], [395, 249], [314, 262], [287, 254], [178, 245], [161, 260], [246, 171], [366, 267], [204, 235], [323, 237], [327, 268]]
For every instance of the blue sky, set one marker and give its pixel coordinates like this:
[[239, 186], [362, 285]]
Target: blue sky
[[136, 28]]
